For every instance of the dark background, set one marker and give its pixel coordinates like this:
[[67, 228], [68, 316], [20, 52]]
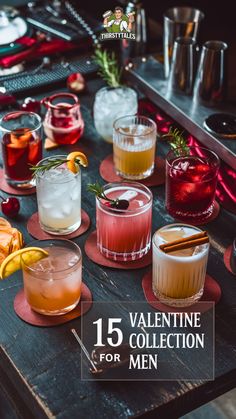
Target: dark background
[[219, 22]]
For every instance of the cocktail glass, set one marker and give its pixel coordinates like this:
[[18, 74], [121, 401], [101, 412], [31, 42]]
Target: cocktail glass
[[59, 199], [21, 146], [124, 235], [134, 146], [52, 285], [111, 103], [178, 277], [63, 122], [191, 178]]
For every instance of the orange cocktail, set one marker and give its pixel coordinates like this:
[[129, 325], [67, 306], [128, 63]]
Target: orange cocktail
[[53, 285], [134, 146]]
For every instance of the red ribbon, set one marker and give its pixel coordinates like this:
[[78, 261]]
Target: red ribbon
[[35, 48], [226, 187]]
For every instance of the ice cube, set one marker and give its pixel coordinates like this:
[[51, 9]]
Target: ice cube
[[66, 208], [47, 205], [51, 290], [56, 213], [75, 193], [73, 260]]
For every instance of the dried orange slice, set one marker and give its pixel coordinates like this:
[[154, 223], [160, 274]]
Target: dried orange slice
[[29, 255], [76, 158]]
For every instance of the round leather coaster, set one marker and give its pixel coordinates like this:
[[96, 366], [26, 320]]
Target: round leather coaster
[[227, 255], [212, 292], [23, 310], [13, 191], [108, 173], [37, 232], [214, 215], [93, 253]]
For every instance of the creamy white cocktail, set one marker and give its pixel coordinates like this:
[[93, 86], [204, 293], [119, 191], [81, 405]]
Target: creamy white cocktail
[[179, 276]]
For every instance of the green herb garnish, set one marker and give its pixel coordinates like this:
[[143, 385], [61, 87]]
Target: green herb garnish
[[97, 189], [109, 67], [177, 141], [52, 163]]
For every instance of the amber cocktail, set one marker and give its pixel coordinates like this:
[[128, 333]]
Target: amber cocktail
[[53, 285], [134, 146]]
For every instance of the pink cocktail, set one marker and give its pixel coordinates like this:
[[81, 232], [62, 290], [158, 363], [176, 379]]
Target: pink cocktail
[[191, 179], [124, 234]]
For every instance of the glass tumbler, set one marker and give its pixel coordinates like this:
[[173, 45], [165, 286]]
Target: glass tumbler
[[52, 285], [134, 146], [191, 179], [21, 141], [59, 199], [178, 277], [111, 103], [124, 234]]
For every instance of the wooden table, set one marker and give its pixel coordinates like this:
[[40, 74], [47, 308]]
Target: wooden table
[[40, 367]]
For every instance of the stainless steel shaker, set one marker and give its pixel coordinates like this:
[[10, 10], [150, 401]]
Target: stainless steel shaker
[[179, 21], [210, 84], [182, 68]]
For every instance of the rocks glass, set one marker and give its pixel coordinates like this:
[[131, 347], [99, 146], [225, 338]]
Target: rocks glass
[[191, 179], [124, 235], [178, 277], [111, 103], [134, 146], [20, 134], [59, 199], [52, 285]]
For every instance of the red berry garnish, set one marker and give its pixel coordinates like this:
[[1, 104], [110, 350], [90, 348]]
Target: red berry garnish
[[76, 83], [108, 204], [10, 206], [31, 105], [121, 204]]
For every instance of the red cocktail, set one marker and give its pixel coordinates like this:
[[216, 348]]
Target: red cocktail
[[125, 234], [191, 179], [63, 121], [21, 146]]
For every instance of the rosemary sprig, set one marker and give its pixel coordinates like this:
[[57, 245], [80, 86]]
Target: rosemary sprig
[[97, 189], [109, 67], [176, 140], [52, 163]]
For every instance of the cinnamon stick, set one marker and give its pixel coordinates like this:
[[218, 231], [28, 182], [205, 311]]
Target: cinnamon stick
[[185, 242]]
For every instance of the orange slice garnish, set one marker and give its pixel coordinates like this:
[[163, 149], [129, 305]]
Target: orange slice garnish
[[76, 159]]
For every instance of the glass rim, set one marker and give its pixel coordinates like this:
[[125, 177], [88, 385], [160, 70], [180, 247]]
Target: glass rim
[[120, 212], [195, 10], [152, 128], [48, 101], [215, 45], [73, 244], [174, 225], [115, 88], [185, 40], [41, 175], [38, 118], [192, 147]]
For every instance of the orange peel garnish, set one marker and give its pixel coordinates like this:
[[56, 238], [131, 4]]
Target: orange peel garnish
[[75, 159]]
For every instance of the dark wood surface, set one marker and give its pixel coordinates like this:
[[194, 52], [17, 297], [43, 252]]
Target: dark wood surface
[[40, 367]]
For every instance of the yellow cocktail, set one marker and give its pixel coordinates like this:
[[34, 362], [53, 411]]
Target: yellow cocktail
[[134, 146]]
